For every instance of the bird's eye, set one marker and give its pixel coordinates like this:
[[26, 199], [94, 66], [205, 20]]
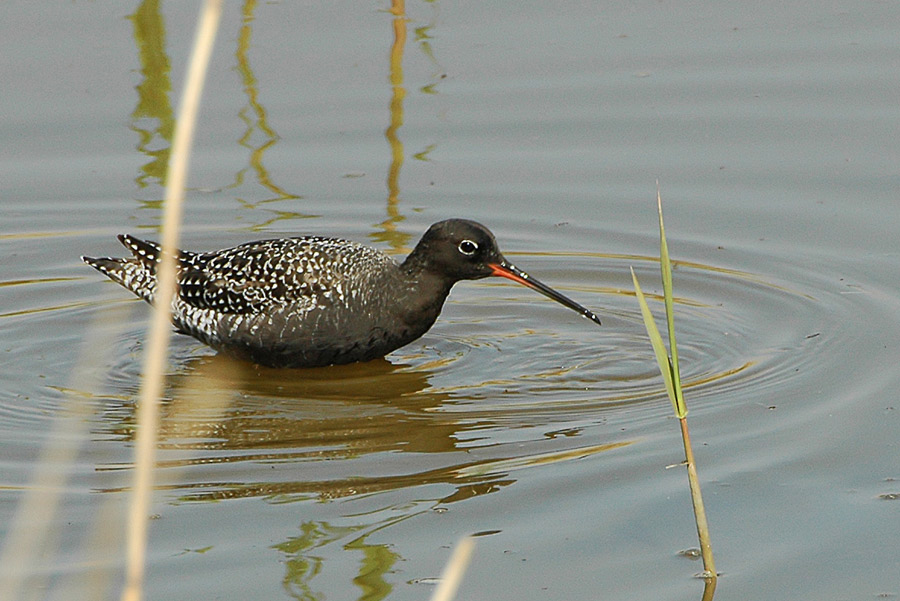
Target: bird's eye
[[468, 248]]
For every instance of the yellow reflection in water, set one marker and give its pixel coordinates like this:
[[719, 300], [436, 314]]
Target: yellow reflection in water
[[378, 561], [520, 462], [152, 119], [259, 135], [304, 561], [397, 240]]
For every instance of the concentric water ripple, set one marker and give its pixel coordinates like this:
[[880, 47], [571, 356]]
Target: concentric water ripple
[[740, 334], [501, 349], [502, 365]]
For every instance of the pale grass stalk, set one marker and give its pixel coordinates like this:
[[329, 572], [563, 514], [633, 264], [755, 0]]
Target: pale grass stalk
[[709, 563], [29, 537], [159, 330], [453, 572]]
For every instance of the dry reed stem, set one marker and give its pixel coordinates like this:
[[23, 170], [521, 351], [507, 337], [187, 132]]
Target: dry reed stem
[[709, 565], [29, 535], [709, 589], [159, 330], [453, 572]]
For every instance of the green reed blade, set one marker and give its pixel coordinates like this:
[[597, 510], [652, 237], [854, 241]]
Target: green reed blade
[[659, 348], [668, 366], [665, 265]]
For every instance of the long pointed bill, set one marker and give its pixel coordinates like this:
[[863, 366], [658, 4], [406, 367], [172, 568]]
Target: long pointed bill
[[511, 272]]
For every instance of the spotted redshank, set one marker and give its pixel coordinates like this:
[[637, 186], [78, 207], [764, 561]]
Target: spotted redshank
[[314, 301]]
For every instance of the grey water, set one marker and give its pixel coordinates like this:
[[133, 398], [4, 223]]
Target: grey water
[[772, 130]]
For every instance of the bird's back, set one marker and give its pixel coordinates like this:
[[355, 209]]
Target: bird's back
[[312, 301], [291, 301]]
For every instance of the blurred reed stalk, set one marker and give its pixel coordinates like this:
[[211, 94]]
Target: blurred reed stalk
[[159, 330], [453, 572], [668, 366], [31, 537]]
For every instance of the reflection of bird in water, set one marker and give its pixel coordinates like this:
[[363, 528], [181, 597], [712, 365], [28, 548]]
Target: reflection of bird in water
[[314, 301], [229, 413]]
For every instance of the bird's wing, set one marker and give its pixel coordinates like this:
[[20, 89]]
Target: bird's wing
[[250, 277]]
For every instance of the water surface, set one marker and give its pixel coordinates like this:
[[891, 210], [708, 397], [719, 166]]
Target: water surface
[[772, 131]]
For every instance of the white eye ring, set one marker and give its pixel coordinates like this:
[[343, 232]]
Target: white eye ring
[[468, 248]]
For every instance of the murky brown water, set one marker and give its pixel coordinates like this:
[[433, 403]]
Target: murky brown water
[[773, 133]]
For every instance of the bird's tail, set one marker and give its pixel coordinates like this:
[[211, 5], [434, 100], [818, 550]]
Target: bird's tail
[[137, 273]]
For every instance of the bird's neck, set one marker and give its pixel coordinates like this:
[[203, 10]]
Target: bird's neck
[[415, 262], [424, 296]]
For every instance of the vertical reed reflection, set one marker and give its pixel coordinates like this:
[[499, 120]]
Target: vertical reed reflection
[[389, 234], [259, 135], [304, 557], [152, 119]]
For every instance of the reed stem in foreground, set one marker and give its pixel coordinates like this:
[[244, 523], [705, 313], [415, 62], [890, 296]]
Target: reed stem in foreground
[[453, 572], [159, 330], [668, 366]]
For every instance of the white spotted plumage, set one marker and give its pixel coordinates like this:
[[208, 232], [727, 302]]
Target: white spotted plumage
[[266, 294], [314, 301]]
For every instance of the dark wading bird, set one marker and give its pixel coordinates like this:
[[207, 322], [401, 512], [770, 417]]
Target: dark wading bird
[[313, 301]]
